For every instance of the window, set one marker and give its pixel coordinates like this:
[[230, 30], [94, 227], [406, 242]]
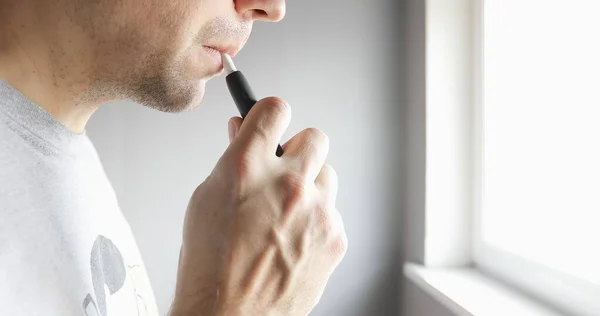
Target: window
[[538, 130]]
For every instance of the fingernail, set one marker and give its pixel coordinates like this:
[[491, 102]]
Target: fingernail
[[231, 131]]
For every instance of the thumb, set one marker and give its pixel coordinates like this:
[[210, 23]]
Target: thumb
[[234, 126]]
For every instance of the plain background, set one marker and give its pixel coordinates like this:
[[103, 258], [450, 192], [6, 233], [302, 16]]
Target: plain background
[[352, 68]]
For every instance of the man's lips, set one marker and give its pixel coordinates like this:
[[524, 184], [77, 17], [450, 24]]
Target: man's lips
[[214, 52], [214, 55], [229, 50]]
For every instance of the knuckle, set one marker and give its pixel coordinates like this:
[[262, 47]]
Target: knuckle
[[328, 181], [339, 246], [293, 182], [316, 135], [272, 111], [276, 105], [338, 242], [293, 188], [330, 172]]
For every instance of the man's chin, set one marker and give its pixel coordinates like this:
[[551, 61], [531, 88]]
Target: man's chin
[[173, 98]]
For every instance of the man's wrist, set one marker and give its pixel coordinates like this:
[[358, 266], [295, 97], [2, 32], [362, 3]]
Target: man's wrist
[[179, 308]]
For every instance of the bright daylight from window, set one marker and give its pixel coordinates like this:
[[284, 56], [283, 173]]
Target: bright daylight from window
[[541, 177]]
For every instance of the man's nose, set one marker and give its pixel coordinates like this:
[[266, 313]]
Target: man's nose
[[261, 10]]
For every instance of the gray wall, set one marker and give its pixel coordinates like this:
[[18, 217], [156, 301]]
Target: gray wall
[[337, 62]]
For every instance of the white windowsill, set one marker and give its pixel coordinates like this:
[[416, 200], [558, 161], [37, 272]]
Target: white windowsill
[[468, 292]]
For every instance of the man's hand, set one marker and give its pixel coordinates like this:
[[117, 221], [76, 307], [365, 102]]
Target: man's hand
[[262, 235]]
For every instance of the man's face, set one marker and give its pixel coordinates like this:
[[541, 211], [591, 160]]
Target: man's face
[[161, 53]]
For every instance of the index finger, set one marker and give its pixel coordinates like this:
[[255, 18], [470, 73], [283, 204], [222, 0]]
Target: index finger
[[264, 125]]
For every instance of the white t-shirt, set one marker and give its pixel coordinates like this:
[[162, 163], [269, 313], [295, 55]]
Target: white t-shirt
[[65, 247]]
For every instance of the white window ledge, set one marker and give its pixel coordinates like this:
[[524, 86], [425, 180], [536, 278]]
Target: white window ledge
[[468, 292]]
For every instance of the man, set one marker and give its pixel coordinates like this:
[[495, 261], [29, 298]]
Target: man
[[261, 233]]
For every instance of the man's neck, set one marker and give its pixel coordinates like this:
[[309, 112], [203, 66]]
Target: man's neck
[[43, 58]]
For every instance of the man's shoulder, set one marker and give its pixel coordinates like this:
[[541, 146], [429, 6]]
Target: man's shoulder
[[16, 145], [17, 161]]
